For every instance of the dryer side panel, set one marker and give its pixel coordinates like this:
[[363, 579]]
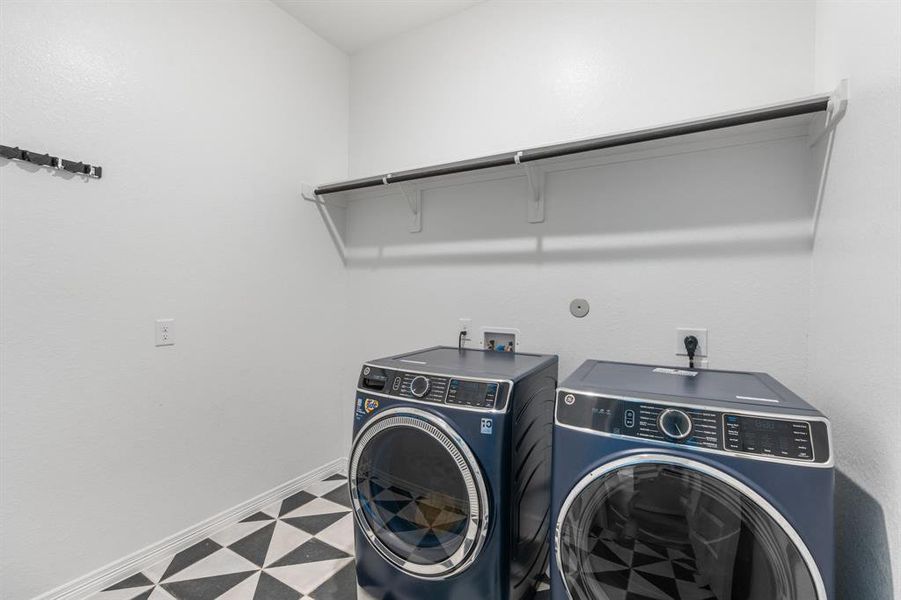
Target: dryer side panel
[[532, 415]]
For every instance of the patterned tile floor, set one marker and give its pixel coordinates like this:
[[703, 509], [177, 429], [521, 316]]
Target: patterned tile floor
[[301, 547], [543, 591], [632, 570]]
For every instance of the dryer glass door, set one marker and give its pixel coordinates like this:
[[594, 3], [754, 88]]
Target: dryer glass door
[[663, 527], [417, 493]]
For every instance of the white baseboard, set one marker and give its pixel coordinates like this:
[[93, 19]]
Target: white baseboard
[[134, 563]]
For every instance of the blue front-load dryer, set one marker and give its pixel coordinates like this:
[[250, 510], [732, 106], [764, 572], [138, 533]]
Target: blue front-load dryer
[[449, 474], [684, 484]]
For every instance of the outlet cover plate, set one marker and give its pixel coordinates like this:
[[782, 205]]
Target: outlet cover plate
[[165, 332], [701, 334], [464, 324]]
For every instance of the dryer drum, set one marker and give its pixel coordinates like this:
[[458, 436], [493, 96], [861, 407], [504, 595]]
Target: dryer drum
[[658, 526], [417, 492]]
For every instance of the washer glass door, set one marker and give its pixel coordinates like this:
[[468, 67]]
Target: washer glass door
[[663, 527], [417, 493]]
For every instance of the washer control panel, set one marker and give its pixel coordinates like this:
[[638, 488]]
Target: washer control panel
[[452, 391], [420, 387], [690, 426], [477, 394], [792, 439], [769, 437]]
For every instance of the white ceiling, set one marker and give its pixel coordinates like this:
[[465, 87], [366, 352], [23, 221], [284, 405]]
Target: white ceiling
[[354, 24]]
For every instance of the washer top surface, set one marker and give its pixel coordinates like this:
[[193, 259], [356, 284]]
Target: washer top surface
[[703, 387], [445, 360]]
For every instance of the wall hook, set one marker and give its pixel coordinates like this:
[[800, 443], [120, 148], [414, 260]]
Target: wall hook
[[75, 167], [44, 160], [12, 153], [54, 162]]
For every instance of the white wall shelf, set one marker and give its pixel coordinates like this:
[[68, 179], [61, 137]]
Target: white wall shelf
[[817, 115]]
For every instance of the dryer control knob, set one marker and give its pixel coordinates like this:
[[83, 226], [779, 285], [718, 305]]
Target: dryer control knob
[[674, 424], [419, 387]]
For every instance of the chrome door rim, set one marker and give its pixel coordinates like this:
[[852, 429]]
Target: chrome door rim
[[443, 433], [700, 467]]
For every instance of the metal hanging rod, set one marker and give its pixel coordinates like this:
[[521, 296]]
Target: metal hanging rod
[[54, 162], [757, 115]]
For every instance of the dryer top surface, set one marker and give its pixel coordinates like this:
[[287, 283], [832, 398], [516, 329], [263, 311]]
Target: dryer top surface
[[444, 360], [719, 389]]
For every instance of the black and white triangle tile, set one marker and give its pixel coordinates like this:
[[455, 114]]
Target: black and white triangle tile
[[543, 589], [627, 569], [299, 548]]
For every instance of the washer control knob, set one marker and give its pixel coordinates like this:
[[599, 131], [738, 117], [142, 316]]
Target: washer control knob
[[674, 424], [419, 387]]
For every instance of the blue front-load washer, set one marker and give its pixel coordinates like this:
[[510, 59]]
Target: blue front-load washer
[[449, 474], [684, 484]]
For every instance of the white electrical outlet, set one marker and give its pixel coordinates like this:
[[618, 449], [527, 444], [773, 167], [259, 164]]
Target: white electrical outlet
[[465, 324], [701, 334], [165, 332]]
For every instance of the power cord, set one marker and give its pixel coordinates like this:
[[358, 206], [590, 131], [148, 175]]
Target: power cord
[[461, 339], [691, 346]]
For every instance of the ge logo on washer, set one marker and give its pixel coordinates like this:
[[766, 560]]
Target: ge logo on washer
[[569, 399], [487, 426]]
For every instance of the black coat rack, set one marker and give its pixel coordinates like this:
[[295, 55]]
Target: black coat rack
[[54, 162]]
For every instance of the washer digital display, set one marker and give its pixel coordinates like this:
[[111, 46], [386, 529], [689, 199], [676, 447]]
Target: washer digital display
[[472, 393]]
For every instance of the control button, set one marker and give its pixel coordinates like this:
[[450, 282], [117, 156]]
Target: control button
[[396, 385], [419, 387], [569, 399], [675, 424], [367, 371], [629, 418]]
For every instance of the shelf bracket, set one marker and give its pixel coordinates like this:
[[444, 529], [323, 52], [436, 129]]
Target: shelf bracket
[[413, 195], [308, 193], [835, 110], [536, 197]]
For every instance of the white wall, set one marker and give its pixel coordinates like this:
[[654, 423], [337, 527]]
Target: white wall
[[507, 75], [710, 239], [855, 329], [697, 239], [203, 119]]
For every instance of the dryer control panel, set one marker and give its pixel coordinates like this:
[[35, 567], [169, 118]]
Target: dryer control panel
[[787, 438], [457, 392]]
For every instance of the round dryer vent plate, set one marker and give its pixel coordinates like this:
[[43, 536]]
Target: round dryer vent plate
[[579, 307]]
